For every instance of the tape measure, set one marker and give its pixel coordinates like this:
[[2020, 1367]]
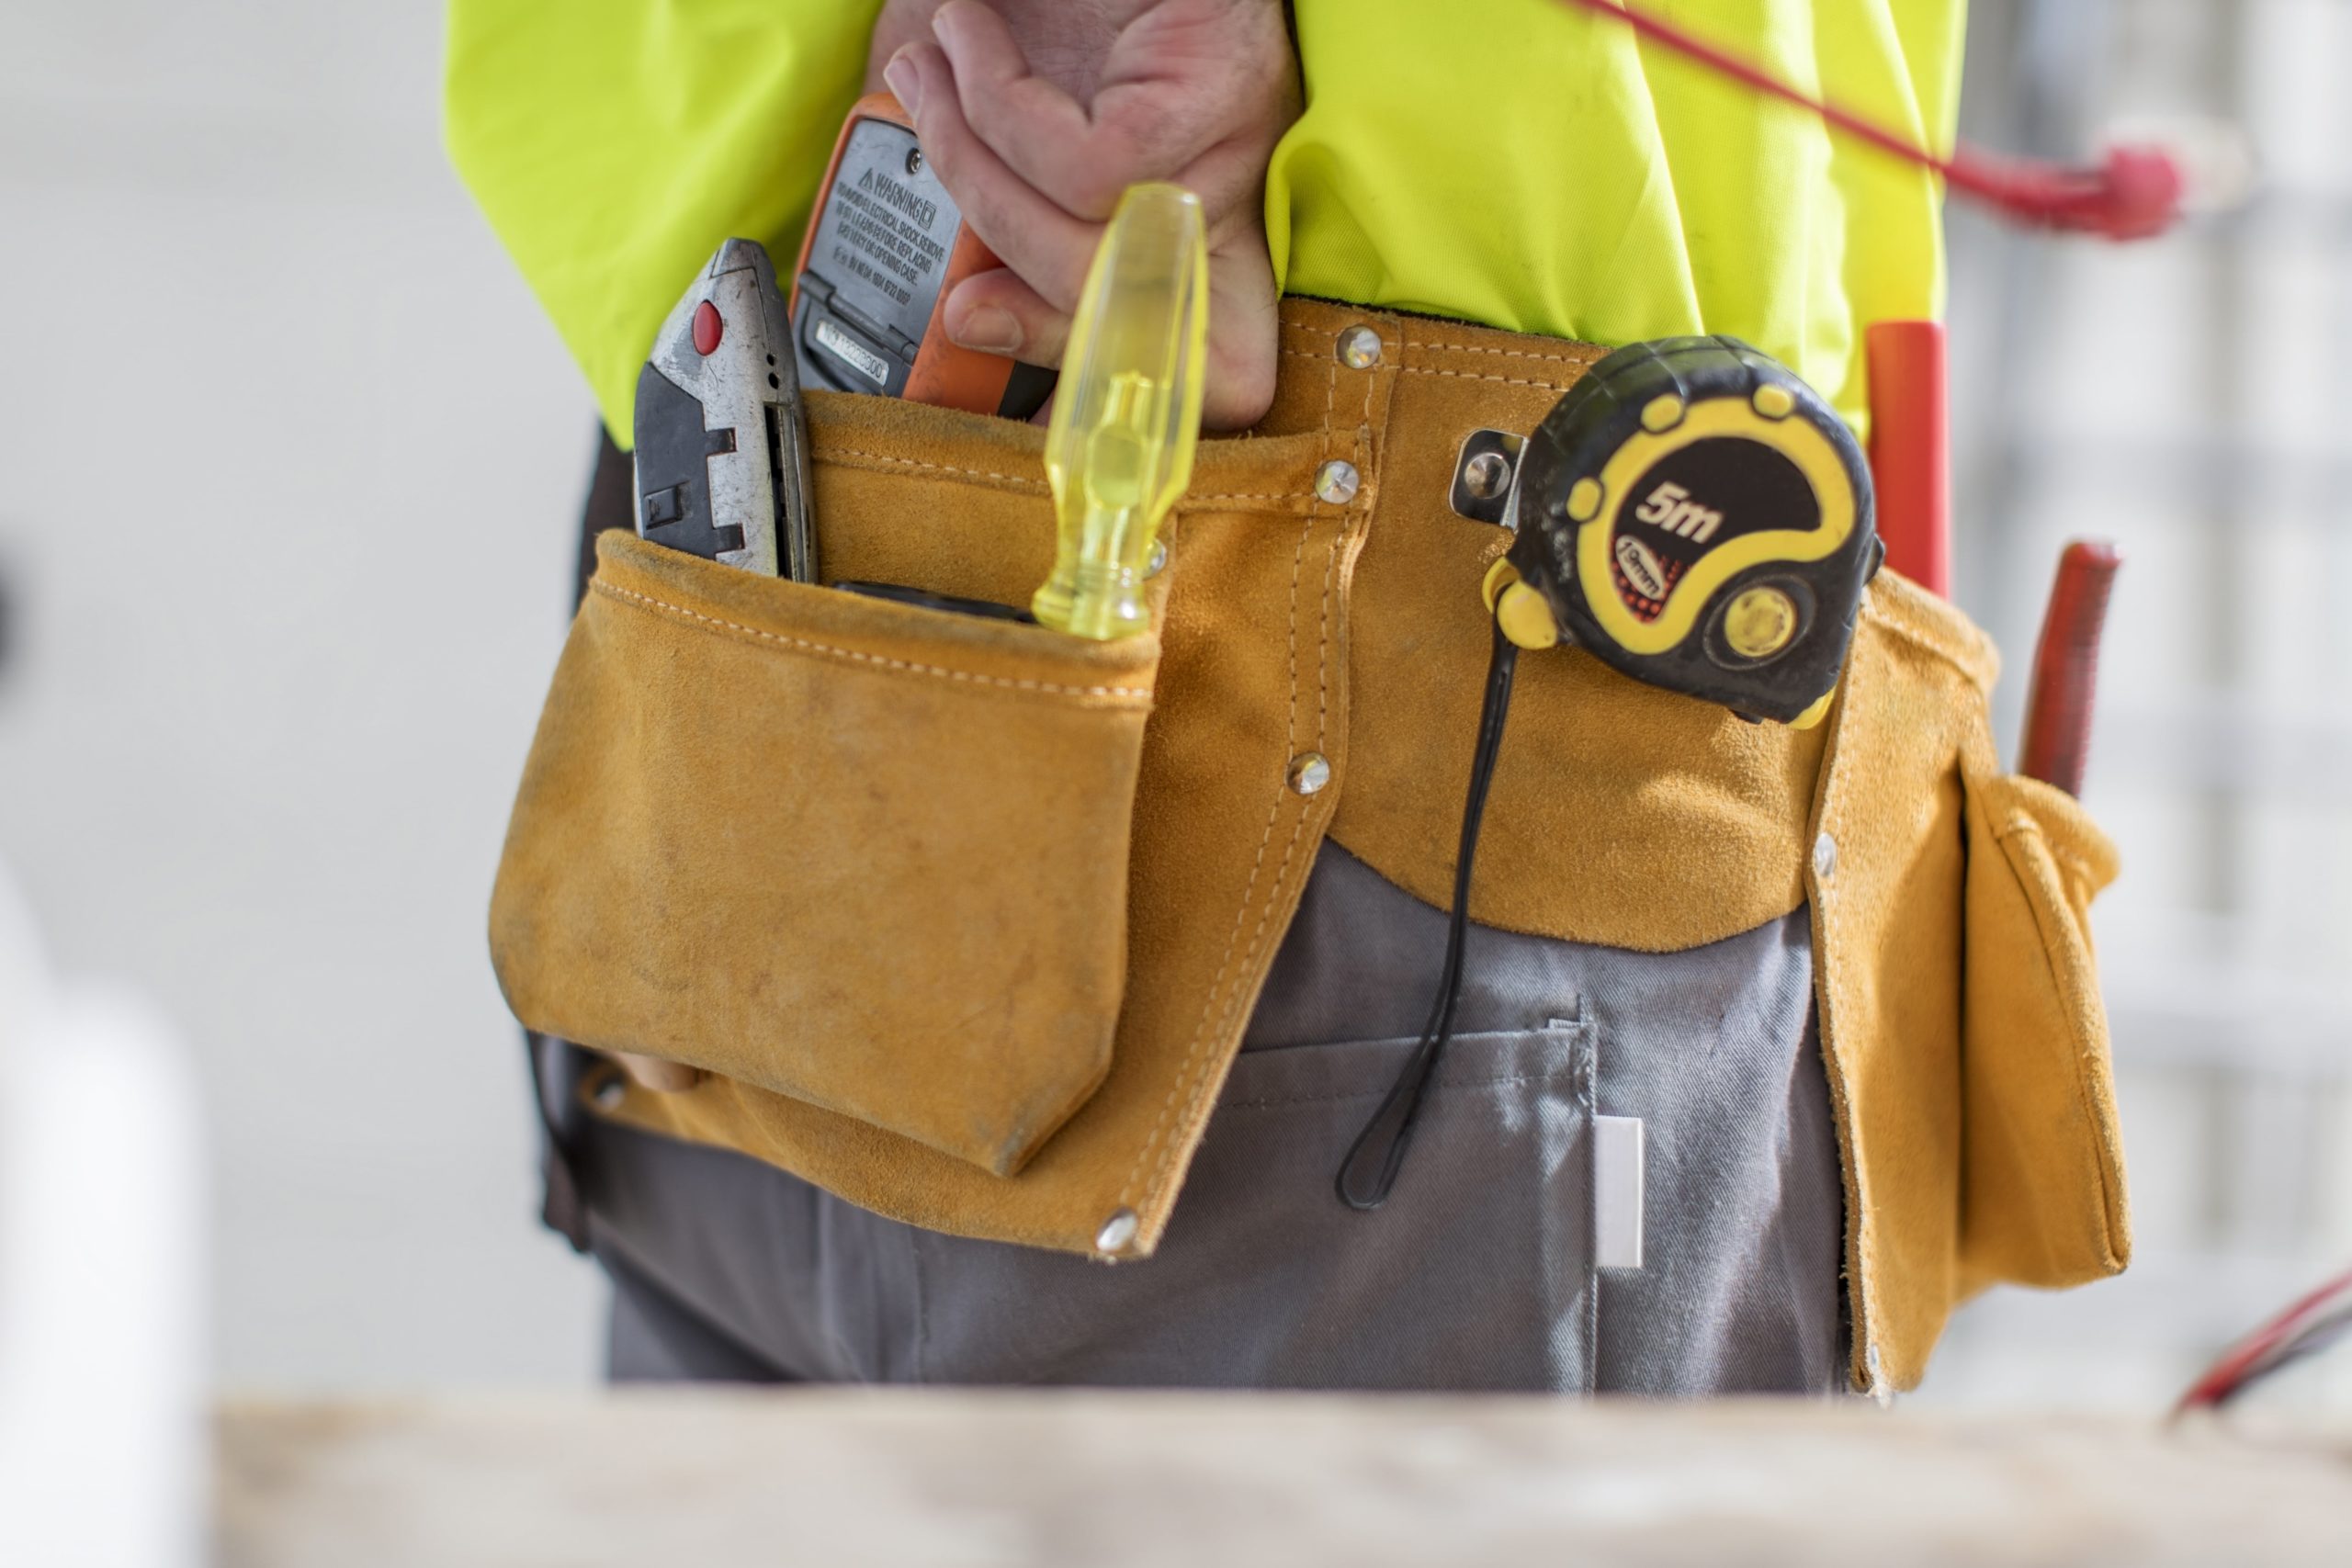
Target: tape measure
[[1699, 519]]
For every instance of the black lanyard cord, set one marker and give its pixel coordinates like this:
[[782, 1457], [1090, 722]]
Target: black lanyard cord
[[1371, 1167]]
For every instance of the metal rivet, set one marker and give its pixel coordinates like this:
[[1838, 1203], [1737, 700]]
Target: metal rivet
[[1336, 481], [1486, 475], [1484, 471], [1309, 771], [1117, 1231], [1359, 348], [612, 1094], [1825, 857], [1158, 561]]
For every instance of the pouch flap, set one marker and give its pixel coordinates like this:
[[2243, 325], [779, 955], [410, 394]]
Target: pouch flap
[[2042, 1195], [869, 855]]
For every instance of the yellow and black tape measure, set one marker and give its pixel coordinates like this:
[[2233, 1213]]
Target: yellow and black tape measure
[[1700, 520]]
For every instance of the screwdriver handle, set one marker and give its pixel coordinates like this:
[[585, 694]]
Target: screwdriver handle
[[2065, 666], [1127, 415]]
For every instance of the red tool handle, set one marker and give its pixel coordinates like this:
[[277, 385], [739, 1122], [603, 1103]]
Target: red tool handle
[[1911, 450], [2065, 666]]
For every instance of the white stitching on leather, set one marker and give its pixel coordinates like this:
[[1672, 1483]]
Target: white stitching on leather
[[1138, 695]]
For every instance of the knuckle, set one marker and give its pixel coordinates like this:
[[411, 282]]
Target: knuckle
[[989, 111], [1146, 133]]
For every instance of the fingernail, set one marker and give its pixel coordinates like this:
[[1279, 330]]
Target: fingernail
[[905, 81], [990, 330]]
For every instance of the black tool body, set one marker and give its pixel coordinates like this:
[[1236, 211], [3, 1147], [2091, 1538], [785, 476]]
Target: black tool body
[[1699, 519]]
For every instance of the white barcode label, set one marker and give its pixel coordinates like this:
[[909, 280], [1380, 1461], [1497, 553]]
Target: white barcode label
[[856, 355], [1617, 1191]]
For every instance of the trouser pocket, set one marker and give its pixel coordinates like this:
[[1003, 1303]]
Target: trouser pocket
[[1476, 1275], [867, 854]]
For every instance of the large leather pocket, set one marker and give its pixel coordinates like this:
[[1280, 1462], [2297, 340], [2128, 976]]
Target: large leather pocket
[[2042, 1197], [867, 854]]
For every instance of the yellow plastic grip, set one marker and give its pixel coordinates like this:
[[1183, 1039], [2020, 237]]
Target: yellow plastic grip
[[1127, 415]]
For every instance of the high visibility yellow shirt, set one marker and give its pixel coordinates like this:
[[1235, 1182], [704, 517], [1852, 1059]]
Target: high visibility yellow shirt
[[1520, 162]]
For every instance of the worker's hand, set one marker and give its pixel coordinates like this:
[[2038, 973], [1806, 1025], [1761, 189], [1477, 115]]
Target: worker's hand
[[1037, 113]]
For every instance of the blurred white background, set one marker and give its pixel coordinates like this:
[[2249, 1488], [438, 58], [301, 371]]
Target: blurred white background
[[293, 467], [2190, 400]]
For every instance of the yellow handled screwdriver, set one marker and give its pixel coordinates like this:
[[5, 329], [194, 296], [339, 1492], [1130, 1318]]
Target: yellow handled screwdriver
[[1128, 416]]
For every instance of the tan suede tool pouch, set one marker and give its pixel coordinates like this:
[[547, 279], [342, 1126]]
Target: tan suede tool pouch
[[2044, 1202], [758, 815], [1958, 1003], [867, 854]]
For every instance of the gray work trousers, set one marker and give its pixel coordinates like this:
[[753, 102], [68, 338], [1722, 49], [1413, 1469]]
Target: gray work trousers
[[1478, 1273]]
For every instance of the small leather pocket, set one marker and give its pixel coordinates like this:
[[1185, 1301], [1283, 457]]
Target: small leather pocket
[[2043, 1198], [867, 854]]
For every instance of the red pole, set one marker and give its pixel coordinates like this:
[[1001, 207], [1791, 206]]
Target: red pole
[[1911, 450]]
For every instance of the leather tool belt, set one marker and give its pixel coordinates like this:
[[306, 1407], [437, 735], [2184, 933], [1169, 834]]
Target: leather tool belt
[[964, 919]]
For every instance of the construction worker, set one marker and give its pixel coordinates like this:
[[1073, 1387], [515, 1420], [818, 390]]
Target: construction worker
[[1376, 173]]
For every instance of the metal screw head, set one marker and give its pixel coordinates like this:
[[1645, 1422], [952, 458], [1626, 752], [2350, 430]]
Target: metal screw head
[[1825, 857], [914, 160], [1117, 1232], [1336, 481], [1359, 348], [612, 1094], [1309, 771], [1486, 475], [1158, 561]]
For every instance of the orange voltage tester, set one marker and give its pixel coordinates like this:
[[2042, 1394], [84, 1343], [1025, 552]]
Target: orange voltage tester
[[884, 247]]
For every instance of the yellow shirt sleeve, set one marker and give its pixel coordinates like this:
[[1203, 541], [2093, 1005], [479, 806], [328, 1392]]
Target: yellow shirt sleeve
[[1534, 166], [1512, 161], [614, 143]]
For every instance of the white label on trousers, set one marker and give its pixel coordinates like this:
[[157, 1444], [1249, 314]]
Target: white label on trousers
[[1617, 1191]]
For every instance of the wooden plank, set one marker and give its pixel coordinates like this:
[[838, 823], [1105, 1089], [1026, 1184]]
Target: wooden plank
[[847, 1479]]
